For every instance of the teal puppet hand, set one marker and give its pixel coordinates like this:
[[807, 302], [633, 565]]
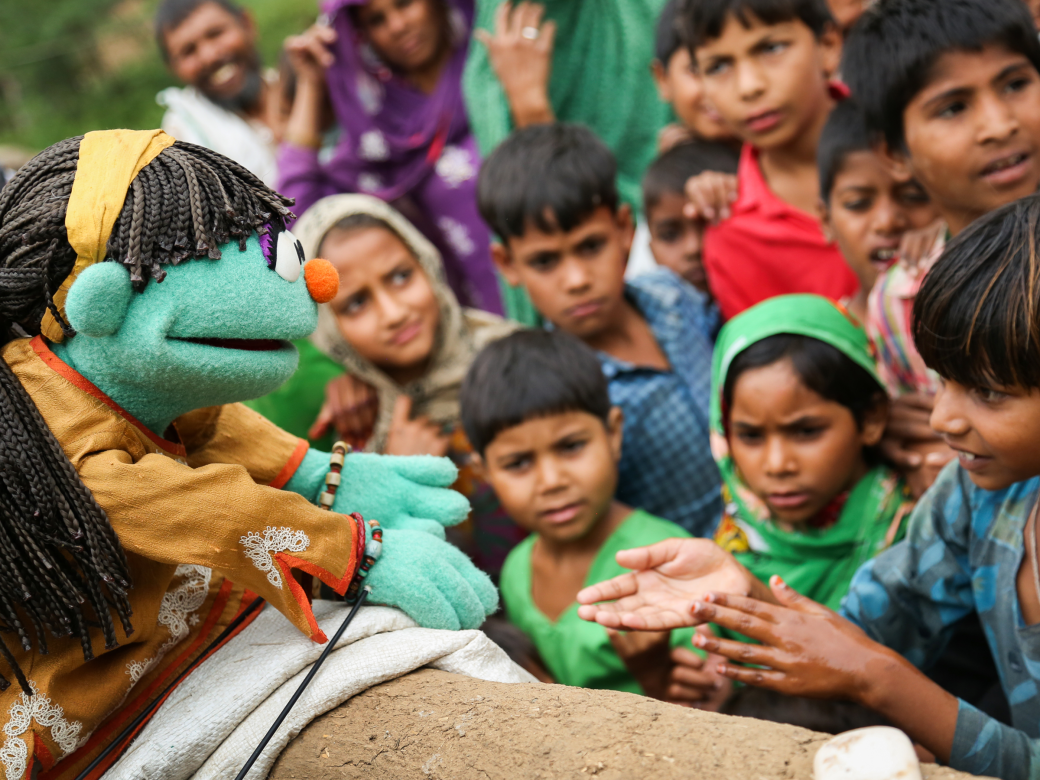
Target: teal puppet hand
[[433, 582], [400, 492]]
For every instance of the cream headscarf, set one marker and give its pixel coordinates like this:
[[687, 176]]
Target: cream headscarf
[[461, 335]]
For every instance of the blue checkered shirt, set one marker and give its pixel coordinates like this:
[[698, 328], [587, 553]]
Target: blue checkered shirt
[[666, 464]]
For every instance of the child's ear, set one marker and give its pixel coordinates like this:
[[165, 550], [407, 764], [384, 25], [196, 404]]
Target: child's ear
[[504, 263], [616, 431], [627, 226], [99, 298], [479, 467], [874, 421], [824, 213], [830, 50], [897, 163], [664, 88]]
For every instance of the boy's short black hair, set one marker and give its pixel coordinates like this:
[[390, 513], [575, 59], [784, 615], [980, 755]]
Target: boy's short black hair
[[844, 133], [976, 318], [552, 176], [526, 375], [702, 21], [172, 13], [669, 172], [667, 38], [890, 52]]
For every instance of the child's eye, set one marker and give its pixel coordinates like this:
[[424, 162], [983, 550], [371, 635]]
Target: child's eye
[[400, 277], [572, 446], [989, 396], [806, 432], [543, 263], [1017, 85], [353, 304], [518, 464], [716, 69], [952, 110], [913, 197], [669, 234], [750, 438], [773, 47], [858, 204], [591, 247]]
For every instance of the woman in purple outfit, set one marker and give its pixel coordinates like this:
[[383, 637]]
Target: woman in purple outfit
[[392, 70]]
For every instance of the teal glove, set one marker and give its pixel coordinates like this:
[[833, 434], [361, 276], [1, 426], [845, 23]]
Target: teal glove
[[433, 582], [399, 492]]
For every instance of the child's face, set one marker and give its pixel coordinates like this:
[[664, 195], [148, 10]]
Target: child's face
[[796, 450], [769, 81], [676, 240], [556, 475], [385, 307], [869, 211], [679, 84], [576, 280], [973, 133], [994, 431], [407, 34]]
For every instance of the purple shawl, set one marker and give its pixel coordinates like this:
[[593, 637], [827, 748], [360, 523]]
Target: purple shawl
[[393, 133]]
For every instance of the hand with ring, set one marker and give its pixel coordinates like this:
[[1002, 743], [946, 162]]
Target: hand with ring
[[520, 51]]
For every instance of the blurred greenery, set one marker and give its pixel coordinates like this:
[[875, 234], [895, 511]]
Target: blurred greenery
[[70, 66]]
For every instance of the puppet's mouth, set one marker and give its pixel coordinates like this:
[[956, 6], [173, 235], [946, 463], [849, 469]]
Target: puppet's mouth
[[249, 345]]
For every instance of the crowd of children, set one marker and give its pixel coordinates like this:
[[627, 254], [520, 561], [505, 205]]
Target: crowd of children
[[810, 423]]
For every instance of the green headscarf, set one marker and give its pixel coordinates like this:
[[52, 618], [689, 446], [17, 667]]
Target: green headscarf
[[818, 562]]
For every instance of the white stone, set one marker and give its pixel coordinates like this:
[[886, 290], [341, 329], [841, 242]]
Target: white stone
[[875, 753]]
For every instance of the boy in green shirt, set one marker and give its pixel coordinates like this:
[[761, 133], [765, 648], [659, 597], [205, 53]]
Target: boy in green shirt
[[536, 410]]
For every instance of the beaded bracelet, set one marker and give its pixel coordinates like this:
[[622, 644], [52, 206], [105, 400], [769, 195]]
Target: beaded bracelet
[[366, 550]]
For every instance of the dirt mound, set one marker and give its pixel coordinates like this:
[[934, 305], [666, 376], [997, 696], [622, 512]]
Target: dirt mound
[[439, 726]]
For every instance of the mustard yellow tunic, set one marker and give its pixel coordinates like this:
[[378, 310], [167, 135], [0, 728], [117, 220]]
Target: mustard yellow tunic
[[205, 529]]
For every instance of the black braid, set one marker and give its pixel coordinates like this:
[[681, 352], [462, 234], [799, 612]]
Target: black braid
[[63, 570]]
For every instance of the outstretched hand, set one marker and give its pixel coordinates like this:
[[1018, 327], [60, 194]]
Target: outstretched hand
[[669, 576], [709, 196], [805, 648]]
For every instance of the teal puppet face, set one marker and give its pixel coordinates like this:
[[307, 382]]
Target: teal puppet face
[[212, 332]]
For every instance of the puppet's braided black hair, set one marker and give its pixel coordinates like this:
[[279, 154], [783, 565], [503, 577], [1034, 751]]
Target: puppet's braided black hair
[[62, 568]]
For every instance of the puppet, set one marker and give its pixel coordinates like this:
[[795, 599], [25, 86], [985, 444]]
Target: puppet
[[147, 286]]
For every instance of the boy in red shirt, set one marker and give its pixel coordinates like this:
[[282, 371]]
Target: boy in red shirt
[[767, 69]]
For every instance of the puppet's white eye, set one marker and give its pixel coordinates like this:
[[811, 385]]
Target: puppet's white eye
[[288, 256]]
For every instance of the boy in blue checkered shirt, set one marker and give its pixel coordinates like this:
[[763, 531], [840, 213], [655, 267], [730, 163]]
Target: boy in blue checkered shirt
[[548, 192]]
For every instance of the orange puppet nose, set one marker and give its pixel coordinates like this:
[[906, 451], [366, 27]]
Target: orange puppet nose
[[322, 279]]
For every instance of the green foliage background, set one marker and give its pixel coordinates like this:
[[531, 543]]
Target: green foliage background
[[70, 66]]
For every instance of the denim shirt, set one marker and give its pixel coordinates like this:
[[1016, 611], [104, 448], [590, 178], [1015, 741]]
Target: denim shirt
[[962, 553], [666, 463]]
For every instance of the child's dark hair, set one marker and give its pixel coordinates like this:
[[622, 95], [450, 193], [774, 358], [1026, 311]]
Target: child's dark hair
[[62, 567], [702, 21], [890, 52], [530, 374], [976, 318], [552, 176], [667, 38], [172, 13], [669, 172], [822, 368], [844, 133]]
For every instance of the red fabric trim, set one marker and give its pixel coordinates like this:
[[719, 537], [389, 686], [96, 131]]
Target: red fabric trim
[[70, 374], [288, 562], [291, 465], [100, 737], [40, 750]]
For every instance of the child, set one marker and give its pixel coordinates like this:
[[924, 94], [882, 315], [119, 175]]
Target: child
[[548, 192], [396, 327], [679, 85], [766, 68], [863, 208], [536, 408], [392, 73], [971, 544], [677, 240], [797, 412], [953, 88]]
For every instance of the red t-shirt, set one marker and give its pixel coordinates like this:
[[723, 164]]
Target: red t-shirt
[[768, 248]]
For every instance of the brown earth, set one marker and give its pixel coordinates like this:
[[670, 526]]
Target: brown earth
[[431, 725]]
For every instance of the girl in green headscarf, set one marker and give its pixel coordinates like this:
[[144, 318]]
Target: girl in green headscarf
[[797, 409]]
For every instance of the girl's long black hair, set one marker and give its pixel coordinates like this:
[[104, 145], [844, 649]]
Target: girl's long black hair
[[62, 568]]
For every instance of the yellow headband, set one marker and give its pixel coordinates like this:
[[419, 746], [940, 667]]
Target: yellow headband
[[108, 162]]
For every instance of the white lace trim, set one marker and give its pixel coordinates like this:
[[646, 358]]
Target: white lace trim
[[275, 540], [15, 753], [177, 613]]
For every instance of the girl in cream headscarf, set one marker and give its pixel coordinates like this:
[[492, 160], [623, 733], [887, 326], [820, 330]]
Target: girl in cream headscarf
[[397, 328]]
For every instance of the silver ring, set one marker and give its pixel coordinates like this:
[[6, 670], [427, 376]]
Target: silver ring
[[531, 33]]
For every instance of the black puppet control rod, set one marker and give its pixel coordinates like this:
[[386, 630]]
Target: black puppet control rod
[[232, 626]]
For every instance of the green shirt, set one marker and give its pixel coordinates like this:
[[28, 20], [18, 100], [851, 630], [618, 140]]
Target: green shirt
[[575, 651]]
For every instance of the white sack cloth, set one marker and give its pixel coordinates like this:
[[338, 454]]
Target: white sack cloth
[[214, 720]]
